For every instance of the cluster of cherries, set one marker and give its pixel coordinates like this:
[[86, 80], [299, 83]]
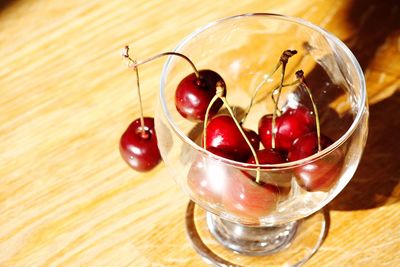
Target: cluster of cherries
[[286, 135]]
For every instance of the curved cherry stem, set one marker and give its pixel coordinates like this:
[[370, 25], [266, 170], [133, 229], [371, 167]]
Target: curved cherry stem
[[138, 63], [277, 87], [218, 94], [272, 96], [125, 54], [303, 84], [258, 88], [220, 90], [284, 60], [274, 114]]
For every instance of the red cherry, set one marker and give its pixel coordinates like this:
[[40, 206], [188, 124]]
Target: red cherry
[[307, 145], [253, 138], [193, 95], [250, 200], [292, 124], [267, 156], [322, 174], [221, 153], [211, 181], [140, 149], [222, 133]]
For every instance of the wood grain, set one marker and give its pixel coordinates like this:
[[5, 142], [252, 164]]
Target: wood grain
[[67, 198]]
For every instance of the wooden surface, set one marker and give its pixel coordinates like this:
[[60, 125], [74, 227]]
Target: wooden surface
[[67, 198]]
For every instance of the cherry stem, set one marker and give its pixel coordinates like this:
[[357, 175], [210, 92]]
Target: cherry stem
[[274, 114], [284, 60], [125, 54], [138, 63], [303, 84], [284, 85], [244, 136], [258, 88], [219, 93], [220, 90]]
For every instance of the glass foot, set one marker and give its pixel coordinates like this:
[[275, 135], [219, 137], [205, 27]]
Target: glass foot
[[252, 241], [223, 243]]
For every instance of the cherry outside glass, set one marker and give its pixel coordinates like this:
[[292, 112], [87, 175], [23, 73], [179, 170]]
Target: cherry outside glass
[[237, 222]]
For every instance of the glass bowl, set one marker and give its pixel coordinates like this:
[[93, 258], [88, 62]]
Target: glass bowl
[[244, 216]]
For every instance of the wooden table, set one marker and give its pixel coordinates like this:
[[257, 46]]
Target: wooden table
[[67, 198]]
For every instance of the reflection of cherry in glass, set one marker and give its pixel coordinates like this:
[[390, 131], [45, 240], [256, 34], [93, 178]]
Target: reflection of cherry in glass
[[322, 174], [246, 198]]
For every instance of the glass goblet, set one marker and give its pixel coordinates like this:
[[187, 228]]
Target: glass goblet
[[236, 221]]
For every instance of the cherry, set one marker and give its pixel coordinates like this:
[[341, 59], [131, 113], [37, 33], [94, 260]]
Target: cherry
[[293, 123], [194, 93], [253, 138], [222, 133], [138, 144], [214, 182], [221, 153], [307, 145], [267, 156], [320, 174], [250, 200], [139, 148]]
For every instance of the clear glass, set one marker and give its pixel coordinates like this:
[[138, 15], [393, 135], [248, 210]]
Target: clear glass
[[242, 49]]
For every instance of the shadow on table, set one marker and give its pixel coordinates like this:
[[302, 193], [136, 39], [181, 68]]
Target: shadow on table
[[378, 174], [374, 21], [5, 3]]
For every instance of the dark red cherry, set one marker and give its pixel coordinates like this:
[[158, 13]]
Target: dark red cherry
[[293, 123], [221, 153], [222, 133], [307, 145], [267, 156], [253, 138], [320, 174], [140, 149], [193, 95]]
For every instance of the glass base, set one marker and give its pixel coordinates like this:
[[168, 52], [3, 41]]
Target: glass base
[[252, 241], [223, 243]]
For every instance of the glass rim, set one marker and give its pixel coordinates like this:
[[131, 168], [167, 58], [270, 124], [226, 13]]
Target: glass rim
[[361, 104]]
